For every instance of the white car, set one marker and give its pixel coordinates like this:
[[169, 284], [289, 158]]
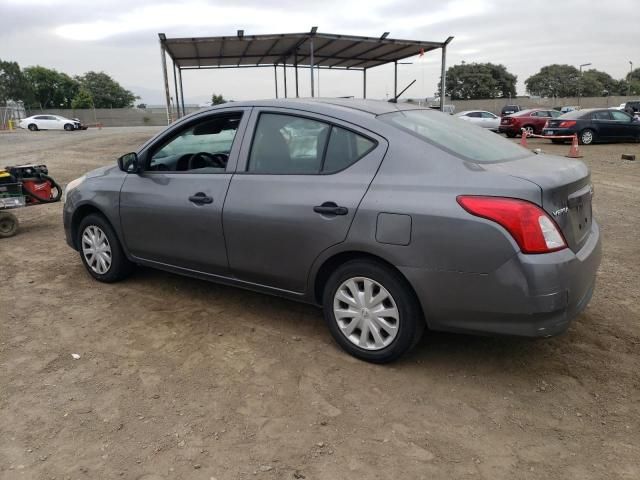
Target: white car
[[49, 122], [481, 118]]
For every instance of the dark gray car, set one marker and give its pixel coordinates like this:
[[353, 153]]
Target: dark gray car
[[391, 217]]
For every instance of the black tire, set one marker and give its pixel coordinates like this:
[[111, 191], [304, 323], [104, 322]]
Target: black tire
[[8, 224], [33, 127], [120, 267], [510, 134], [586, 137], [68, 127], [411, 322]]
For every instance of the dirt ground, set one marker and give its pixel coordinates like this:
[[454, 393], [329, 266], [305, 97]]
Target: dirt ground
[[179, 378]]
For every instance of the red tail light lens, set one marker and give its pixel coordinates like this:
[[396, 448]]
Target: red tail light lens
[[528, 224], [567, 123]]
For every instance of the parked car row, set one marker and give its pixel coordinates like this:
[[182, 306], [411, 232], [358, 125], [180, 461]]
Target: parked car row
[[590, 125]]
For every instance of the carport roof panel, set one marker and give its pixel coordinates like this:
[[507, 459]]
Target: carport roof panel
[[330, 50]]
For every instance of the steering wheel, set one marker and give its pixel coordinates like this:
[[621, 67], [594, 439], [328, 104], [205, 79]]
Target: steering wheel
[[210, 159]]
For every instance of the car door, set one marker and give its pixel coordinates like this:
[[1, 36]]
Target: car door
[[623, 126], [171, 213], [603, 123], [42, 121], [299, 182], [489, 120]]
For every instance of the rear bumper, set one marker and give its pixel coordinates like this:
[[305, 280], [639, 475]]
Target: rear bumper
[[530, 295], [557, 131], [509, 129]]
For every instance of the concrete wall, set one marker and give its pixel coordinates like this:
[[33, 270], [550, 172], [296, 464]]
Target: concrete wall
[[495, 105], [130, 117], [115, 117]]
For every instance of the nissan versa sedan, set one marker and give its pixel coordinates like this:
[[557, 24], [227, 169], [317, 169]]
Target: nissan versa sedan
[[392, 218]]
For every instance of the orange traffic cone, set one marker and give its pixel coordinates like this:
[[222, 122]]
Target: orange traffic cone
[[523, 139], [574, 151]]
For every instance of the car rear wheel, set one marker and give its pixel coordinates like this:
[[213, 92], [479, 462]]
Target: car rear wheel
[[8, 224], [100, 250], [371, 311], [33, 127], [587, 137], [68, 127]]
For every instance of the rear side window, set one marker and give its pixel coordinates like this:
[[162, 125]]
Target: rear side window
[[453, 135], [287, 144], [601, 116], [344, 149]]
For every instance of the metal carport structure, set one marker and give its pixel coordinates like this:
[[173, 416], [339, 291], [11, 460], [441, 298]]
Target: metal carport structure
[[310, 50]]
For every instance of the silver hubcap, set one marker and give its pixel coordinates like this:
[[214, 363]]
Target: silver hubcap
[[96, 249], [366, 313], [587, 137]]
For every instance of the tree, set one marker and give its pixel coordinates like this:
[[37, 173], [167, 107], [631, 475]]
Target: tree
[[51, 89], [632, 80], [554, 81], [13, 85], [479, 80], [217, 99], [595, 83], [105, 91], [83, 99]]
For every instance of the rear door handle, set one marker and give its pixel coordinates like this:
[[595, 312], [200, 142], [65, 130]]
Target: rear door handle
[[330, 208], [200, 198]]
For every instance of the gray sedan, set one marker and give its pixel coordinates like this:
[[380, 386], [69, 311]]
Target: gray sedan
[[392, 218]]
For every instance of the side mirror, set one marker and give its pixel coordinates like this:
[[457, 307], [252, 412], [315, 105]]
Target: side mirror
[[129, 163]]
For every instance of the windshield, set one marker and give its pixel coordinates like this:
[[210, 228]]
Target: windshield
[[455, 136]]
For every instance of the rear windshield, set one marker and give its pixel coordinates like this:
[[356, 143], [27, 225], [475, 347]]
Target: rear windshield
[[455, 136], [576, 114]]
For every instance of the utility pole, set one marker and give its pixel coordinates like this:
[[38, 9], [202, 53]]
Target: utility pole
[[580, 84], [630, 73]]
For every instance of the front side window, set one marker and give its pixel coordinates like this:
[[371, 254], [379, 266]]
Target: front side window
[[202, 148], [287, 144], [620, 116], [473, 144]]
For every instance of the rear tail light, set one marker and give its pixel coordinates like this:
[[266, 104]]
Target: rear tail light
[[528, 224], [546, 124], [567, 123]]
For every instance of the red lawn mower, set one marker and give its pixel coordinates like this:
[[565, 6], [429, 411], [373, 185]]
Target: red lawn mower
[[24, 186]]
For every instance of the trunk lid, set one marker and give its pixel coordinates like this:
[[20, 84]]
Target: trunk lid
[[566, 191], [553, 123]]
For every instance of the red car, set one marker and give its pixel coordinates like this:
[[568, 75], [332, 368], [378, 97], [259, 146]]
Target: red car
[[532, 120]]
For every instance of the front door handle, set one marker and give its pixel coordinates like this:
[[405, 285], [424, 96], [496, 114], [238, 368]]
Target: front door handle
[[201, 198], [330, 208]]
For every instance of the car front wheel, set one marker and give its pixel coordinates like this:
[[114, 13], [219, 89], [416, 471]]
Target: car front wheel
[[33, 127], [371, 311], [68, 127], [100, 250]]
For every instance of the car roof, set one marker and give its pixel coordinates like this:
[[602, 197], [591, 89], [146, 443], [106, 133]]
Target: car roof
[[472, 111], [523, 113], [372, 107]]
